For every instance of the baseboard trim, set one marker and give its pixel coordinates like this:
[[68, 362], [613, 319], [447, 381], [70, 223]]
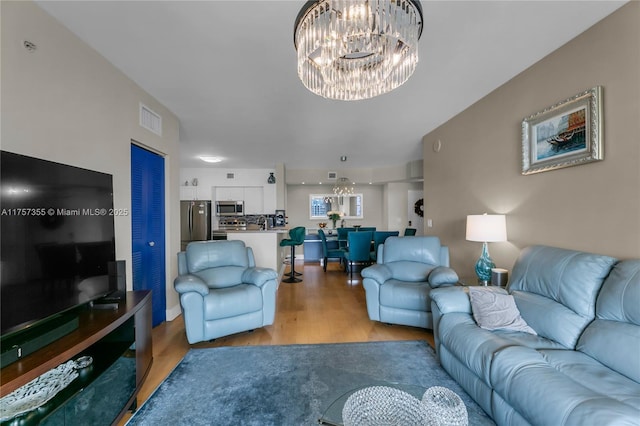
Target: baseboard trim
[[173, 312]]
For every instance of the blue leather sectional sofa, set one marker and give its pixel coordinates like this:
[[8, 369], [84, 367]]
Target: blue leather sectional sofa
[[582, 367]]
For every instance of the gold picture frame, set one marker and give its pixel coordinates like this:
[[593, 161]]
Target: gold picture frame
[[566, 134]]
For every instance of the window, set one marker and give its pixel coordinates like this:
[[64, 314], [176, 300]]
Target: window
[[351, 206]]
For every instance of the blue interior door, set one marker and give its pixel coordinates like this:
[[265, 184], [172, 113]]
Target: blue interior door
[[147, 227]]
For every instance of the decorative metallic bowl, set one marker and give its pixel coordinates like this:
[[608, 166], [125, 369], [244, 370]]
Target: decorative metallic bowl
[[322, 224]]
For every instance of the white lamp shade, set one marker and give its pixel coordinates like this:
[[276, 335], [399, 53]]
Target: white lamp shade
[[486, 228]]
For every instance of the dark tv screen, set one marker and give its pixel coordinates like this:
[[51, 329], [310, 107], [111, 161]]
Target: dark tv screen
[[57, 238]]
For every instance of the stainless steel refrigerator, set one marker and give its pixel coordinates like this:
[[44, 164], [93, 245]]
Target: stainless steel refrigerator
[[195, 221]]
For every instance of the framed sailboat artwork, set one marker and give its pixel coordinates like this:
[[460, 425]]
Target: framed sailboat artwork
[[566, 134]]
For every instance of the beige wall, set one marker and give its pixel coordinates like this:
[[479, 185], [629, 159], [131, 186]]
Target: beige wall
[[66, 103], [593, 207]]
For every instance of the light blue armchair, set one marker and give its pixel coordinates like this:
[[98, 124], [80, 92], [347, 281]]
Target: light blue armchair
[[398, 286], [221, 290]]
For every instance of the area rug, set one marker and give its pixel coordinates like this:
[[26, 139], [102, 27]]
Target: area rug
[[287, 385]]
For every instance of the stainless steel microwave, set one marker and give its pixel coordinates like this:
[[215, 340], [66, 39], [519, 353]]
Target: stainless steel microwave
[[229, 208]]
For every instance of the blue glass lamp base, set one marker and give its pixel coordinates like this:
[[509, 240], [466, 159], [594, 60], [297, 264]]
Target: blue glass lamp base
[[484, 265]]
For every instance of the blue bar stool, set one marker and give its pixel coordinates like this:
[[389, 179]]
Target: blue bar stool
[[296, 238]]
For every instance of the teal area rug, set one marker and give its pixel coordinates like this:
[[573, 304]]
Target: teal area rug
[[287, 385]]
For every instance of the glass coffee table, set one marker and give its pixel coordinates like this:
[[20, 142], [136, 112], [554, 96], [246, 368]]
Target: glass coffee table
[[333, 414]]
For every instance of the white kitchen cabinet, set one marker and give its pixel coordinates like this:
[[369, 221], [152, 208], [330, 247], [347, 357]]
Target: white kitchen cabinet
[[253, 197], [188, 193], [229, 193], [253, 200]]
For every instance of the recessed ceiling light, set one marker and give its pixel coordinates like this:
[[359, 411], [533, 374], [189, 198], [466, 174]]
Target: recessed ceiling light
[[210, 159]]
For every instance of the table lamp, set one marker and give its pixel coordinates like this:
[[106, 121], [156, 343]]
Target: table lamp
[[486, 228]]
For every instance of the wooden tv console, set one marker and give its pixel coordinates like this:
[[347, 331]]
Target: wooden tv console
[[118, 339]]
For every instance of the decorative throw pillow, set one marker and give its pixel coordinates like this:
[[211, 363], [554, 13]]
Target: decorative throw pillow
[[496, 311]]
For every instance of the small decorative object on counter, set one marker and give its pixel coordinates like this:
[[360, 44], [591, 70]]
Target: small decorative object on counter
[[322, 225], [271, 178]]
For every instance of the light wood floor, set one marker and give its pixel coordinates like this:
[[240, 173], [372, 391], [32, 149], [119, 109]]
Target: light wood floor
[[323, 308]]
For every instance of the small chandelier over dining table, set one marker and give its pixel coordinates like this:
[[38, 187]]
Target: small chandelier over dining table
[[357, 49], [343, 187]]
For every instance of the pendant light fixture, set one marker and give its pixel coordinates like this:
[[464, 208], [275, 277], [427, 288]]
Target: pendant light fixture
[[357, 49], [343, 187]]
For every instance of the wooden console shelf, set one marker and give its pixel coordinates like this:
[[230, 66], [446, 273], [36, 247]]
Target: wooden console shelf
[[94, 335]]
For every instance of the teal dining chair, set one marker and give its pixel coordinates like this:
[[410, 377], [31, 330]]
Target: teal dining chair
[[327, 253], [359, 250], [342, 236], [409, 232], [378, 238], [367, 228]]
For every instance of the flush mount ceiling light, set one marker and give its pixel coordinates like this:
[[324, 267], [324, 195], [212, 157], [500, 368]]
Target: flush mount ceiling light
[[357, 49], [343, 187], [210, 159]]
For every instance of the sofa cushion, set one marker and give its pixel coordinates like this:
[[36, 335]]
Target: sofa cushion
[[222, 276], [544, 315], [494, 310], [232, 301], [409, 271], [614, 337], [595, 376], [406, 295], [207, 254], [619, 299], [554, 286], [475, 347], [544, 394], [416, 249], [569, 277]]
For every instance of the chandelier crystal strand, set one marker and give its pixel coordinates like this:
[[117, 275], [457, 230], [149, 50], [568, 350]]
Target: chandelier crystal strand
[[342, 187], [351, 50]]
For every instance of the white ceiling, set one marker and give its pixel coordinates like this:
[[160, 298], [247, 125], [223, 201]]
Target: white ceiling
[[227, 69]]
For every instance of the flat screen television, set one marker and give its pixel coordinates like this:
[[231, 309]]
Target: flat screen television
[[57, 239]]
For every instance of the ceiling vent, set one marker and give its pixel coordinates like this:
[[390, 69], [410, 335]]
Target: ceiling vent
[[150, 120], [332, 175], [231, 175]]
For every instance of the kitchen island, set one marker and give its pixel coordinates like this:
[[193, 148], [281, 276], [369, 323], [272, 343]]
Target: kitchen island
[[265, 245]]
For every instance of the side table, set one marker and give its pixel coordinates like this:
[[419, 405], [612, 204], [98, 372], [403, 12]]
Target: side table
[[473, 281], [469, 281]]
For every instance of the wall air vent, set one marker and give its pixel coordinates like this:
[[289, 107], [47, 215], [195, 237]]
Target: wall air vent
[[231, 175], [332, 175], [150, 120]]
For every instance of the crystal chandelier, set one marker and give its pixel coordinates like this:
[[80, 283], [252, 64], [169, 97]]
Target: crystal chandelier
[[343, 187], [357, 49]]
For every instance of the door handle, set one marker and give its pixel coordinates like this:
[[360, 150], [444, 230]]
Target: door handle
[[152, 243]]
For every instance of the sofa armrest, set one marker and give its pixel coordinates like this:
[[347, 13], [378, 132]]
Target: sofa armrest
[[190, 283], [451, 299], [258, 276], [442, 275], [379, 273]]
